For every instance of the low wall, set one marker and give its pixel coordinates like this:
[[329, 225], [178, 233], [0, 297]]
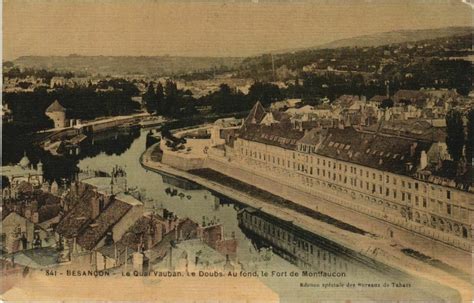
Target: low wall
[[450, 255], [175, 160]]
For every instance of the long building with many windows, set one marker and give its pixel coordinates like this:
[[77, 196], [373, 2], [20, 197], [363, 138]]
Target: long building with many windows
[[389, 178]]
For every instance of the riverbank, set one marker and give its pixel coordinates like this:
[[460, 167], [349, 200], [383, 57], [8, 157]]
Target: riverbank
[[376, 248]]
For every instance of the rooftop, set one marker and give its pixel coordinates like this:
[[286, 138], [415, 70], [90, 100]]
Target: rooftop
[[95, 231], [55, 107]]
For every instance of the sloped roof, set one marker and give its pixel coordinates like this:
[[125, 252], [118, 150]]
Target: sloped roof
[[313, 136], [409, 94], [107, 218], [378, 98], [55, 107], [388, 153], [279, 135], [412, 128], [132, 237], [256, 114], [77, 218]]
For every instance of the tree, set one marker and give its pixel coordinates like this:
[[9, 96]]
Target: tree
[[470, 137], [160, 95], [170, 105], [150, 99], [386, 103], [227, 100], [266, 93], [455, 134]]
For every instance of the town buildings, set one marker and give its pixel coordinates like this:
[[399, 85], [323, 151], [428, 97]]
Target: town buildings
[[388, 173]]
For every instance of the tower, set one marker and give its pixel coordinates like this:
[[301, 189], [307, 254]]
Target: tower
[[57, 113]]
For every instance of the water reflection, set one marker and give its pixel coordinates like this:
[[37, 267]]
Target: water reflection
[[64, 167], [280, 246], [264, 242]]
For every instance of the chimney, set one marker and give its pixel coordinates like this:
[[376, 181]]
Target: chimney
[[413, 149], [74, 245], [137, 262], [95, 206], [423, 160], [109, 238]]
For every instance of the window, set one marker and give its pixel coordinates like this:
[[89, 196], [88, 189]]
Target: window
[[448, 194], [448, 208], [416, 185], [464, 232], [387, 179]]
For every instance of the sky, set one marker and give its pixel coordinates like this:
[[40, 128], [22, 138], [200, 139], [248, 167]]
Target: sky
[[208, 28]]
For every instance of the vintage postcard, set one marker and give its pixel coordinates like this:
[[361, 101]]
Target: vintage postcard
[[237, 151]]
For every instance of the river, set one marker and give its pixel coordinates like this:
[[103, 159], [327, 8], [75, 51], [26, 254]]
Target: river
[[257, 251]]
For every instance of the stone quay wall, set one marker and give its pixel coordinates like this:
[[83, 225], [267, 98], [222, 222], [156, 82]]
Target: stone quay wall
[[347, 211]]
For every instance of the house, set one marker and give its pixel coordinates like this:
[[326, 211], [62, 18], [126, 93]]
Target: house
[[96, 216], [19, 233], [414, 97]]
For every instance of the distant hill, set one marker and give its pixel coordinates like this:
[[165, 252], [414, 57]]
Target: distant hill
[[386, 38], [171, 65], [123, 65], [398, 37], [417, 48]]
